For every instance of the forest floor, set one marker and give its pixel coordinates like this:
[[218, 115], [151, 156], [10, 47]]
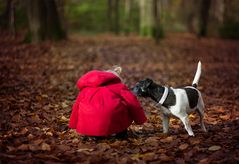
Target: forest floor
[[38, 88]]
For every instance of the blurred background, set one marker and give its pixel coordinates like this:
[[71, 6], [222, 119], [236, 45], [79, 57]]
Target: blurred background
[[55, 19]]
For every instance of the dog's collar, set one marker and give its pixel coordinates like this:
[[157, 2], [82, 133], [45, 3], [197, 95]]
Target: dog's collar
[[163, 98]]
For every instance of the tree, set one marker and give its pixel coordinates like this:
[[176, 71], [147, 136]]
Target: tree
[[127, 15], [204, 17], [44, 21], [150, 18], [230, 25], [114, 15], [190, 12], [8, 17]]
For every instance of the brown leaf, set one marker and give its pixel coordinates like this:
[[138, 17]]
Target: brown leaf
[[35, 118], [225, 117], [103, 147], [49, 134], [33, 147], [85, 150], [75, 141], [23, 131], [45, 147], [165, 158], [153, 141], [38, 141], [167, 139], [30, 137], [63, 119], [46, 156], [16, 118], [183, 146], [194, 141], [63, 147], [23, 147]]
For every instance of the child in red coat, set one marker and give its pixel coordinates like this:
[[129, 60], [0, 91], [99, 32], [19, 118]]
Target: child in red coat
[[104, 106]]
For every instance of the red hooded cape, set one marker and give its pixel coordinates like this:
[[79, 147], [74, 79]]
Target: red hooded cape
[[104, 105]]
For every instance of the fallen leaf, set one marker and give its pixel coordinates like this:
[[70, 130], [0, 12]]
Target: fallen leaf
[[75, 141], [49, 134], [214, 148], [165, 158], [23, 131], [30, 137], [139, 155], [103, 147], [63, 119], [35, 118], [38, 141], [63, 147], [45, 147], [34, 147], [85, 149], [183, 146], [46, 156], [194, 141], [64, 105], [225, 117], [153, 141], [23, 147], [167, 139]]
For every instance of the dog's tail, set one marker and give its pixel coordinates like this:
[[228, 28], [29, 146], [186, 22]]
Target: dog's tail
[[197, 75]]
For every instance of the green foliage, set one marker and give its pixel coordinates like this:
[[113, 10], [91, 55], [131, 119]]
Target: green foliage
[[87, 15], [230, 30]]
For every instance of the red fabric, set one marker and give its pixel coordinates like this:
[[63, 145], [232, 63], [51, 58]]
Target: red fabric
[[104, 105]]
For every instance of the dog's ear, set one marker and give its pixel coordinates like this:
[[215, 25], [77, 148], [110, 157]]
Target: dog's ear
[[147, 82], [117, 69]]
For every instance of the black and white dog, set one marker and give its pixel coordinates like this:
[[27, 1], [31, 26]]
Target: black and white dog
[[179, 102]]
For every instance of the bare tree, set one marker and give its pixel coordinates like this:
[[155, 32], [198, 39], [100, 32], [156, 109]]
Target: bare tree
[[8, 17], [204, 17], [44, 21], [114, 15], [150, 23]]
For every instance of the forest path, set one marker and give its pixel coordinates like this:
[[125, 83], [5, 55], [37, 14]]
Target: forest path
[[38, 88]]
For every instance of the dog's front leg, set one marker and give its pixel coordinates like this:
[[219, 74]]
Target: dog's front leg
[[165, 123]]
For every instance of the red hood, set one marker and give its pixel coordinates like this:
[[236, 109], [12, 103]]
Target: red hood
[[97, 78]]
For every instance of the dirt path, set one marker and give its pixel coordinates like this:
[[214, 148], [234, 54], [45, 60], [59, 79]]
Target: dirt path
[[37, 90]]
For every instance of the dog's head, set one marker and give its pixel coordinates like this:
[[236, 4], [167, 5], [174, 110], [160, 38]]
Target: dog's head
[[141, 88], [116, 70]]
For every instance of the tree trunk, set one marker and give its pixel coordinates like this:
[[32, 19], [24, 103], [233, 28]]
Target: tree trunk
[[117, 16], [128, 4], [150, 19], [8, 17], [146, 17], [204, 15], [113, 15], [215, 17], [44, 21], [109, 15], [190, 12], [157, 32]]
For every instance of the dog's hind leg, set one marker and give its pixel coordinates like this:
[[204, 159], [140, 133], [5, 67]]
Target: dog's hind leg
[[165, 123], [185, 120], [200, 110]]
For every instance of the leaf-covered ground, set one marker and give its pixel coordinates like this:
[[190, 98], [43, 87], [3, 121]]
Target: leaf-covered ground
[[37, 90]]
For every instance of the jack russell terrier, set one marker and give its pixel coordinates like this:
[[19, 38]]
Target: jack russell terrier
[[178, 102]]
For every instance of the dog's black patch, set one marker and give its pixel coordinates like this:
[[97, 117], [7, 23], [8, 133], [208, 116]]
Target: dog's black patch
[[171, 99], [193, 96]]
